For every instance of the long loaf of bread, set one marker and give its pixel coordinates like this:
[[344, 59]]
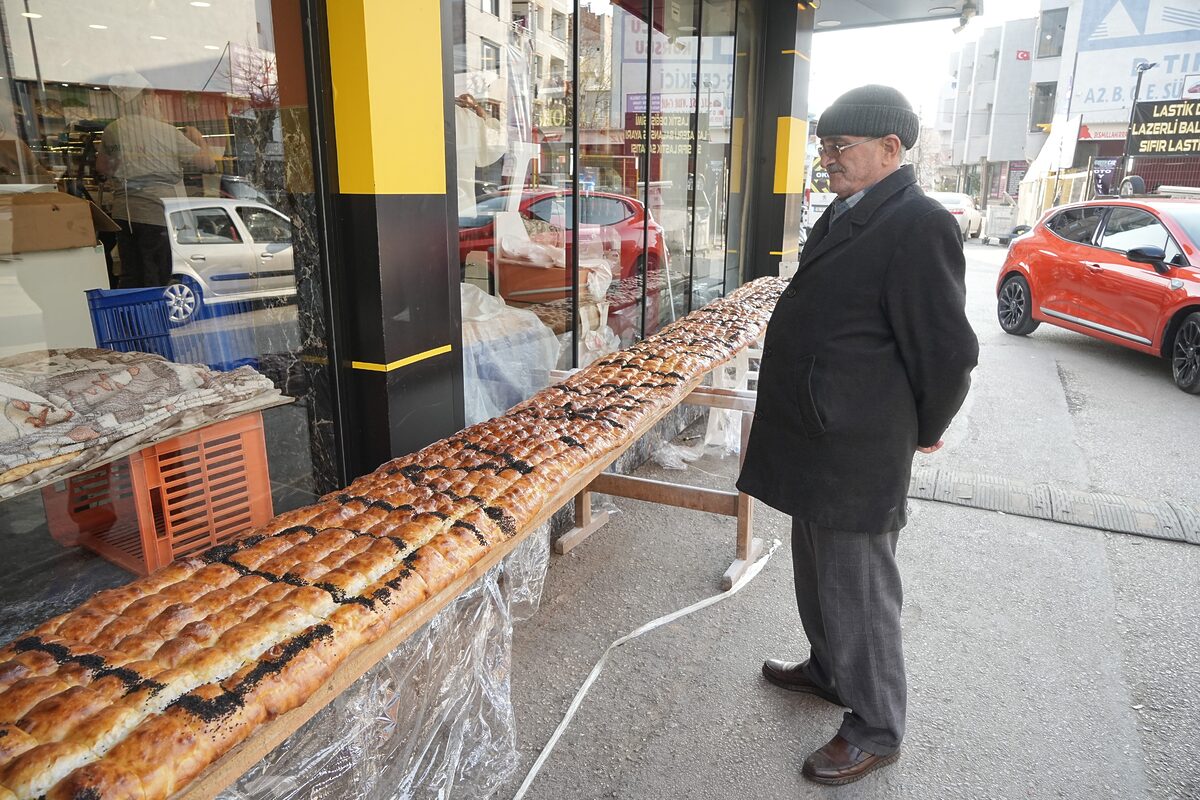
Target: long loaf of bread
[[132, 694]]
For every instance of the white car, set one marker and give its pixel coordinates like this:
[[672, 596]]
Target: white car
[[962, 206], [226, 251]]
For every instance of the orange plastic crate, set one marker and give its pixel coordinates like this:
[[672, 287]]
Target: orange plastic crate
[[168, 500]]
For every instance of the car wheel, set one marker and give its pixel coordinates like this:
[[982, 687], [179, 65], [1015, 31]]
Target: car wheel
[[1185, 354], [184, 300], [1014, 307]]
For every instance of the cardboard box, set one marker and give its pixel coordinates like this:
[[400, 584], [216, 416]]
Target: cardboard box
[[44, 221]]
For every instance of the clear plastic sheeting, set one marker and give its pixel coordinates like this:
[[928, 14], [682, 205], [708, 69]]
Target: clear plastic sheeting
[[669, 455], [434, 719], [724, 430], [507, 354]]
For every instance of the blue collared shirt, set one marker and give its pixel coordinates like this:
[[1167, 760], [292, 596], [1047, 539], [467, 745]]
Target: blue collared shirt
[[842, 206]]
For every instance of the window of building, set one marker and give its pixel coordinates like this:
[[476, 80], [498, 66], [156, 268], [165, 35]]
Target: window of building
[[558, 25], [490, 6], [1041, 111], [1051, 31], [489, 56]]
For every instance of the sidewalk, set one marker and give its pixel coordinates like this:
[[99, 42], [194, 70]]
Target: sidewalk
[[1044, 661]]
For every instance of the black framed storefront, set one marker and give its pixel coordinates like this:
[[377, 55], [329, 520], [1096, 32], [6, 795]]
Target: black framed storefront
[[604, 169], [383, 221]]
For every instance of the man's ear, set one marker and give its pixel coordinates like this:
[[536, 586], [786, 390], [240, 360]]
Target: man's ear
[[892, 145]]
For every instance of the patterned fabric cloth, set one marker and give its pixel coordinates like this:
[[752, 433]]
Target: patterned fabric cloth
[[62, 411]]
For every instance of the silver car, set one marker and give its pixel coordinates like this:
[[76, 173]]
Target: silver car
[[226, 251]]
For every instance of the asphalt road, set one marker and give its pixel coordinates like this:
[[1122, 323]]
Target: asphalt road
[[1044, 660]]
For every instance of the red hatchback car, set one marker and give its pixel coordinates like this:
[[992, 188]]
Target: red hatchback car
[[620, 220], [1126, 271]]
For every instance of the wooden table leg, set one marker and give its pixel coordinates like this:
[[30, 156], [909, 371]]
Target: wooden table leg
[[748, 548], [586, 523]]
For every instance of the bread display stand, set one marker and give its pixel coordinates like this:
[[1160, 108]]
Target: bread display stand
[[176, 684], [714, 501], [578, 490]]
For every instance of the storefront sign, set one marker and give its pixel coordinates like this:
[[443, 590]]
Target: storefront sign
[[1016, 173], [1191, 88], [679, 103], [1103, 170], [1165, 128], [670, 134], [1114, 38], [1103, 130]]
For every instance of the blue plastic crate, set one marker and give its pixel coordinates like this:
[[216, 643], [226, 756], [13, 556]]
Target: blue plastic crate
[[131, 320], [224, 337]]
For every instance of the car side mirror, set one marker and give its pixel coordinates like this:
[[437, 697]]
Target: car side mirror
[[1154, 256]]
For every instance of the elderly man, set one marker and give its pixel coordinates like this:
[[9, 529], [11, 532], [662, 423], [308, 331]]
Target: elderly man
[[867, 358]]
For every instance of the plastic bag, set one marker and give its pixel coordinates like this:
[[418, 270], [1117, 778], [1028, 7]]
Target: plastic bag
[[724, 429], [434, 719], [507, 354], [669, 455]]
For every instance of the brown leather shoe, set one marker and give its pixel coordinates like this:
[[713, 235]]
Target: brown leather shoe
[[840, 762], [791, 676]]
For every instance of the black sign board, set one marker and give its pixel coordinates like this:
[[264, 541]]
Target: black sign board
[[1166, 129]]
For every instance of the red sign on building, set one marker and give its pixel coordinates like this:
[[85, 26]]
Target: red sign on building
[[1022, 55]]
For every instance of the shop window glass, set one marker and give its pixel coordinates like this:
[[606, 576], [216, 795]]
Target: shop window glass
[[1042, 112], [620, 244], [514, 153], [177, 290], [741, 151], [714, 127], [1051, 31], [676, 198]]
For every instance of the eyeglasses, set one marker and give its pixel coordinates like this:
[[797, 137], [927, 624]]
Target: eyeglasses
[[838, 149]]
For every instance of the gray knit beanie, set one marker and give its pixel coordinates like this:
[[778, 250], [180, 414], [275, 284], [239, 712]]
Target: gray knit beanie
[[871, 110]]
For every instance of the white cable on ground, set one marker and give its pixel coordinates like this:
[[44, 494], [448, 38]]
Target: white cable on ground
[[747, 576]]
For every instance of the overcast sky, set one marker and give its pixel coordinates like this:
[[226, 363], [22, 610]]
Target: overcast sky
[[914, 58]]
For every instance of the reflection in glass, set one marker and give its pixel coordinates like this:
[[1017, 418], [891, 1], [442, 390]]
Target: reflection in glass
[[175, 137], [512, 106], [614, 224]]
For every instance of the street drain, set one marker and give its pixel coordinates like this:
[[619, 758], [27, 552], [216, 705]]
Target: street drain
[[1106, 512]]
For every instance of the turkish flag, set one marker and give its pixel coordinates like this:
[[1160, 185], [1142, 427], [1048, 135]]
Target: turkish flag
[[1022, 55]]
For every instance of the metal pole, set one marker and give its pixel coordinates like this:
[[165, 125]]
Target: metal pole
[[573, 233], [1126, 158]]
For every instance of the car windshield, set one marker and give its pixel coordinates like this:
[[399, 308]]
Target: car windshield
[[1188, 217]]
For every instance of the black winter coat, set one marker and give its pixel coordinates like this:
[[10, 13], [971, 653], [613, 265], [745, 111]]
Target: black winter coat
[[868, 354]]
